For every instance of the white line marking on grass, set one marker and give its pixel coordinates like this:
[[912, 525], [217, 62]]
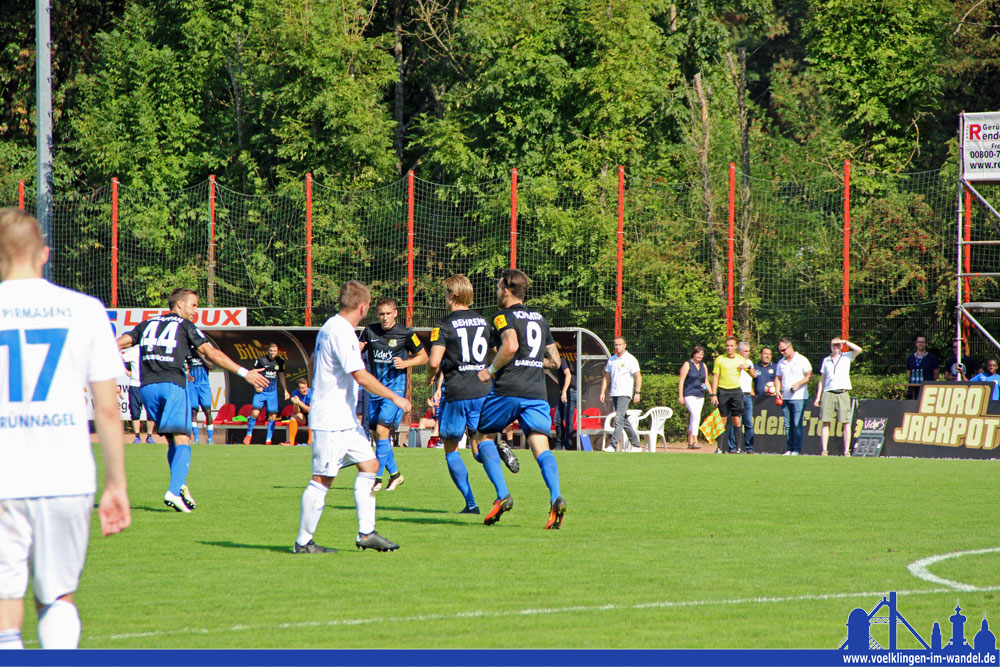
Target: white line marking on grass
[[919, 569], [422, 618]]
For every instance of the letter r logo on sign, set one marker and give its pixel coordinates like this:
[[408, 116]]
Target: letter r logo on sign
[[974, 132]]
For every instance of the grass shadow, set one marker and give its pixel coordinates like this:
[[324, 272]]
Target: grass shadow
[[283, 549]]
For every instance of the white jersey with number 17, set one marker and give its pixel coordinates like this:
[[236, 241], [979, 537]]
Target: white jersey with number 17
[[53, 343]]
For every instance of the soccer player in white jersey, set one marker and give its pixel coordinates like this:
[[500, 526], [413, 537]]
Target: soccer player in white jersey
[[54, 343], [338, 438]]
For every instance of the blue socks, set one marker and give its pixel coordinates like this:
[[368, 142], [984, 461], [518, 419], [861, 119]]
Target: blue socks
[[460, 475], [550, 473], [270, 430], [251, 422], [385, 456], [490, 459], [179, 458]]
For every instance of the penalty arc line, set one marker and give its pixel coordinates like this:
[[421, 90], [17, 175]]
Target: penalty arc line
[[420, 618]]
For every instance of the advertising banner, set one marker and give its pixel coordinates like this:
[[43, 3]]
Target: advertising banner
[[124, 319], [981, 146]]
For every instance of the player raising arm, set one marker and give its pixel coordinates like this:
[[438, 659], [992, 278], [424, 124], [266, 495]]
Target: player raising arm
[[165, 341]]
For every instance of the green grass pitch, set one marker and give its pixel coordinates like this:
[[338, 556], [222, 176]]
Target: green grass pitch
[[657, 551]]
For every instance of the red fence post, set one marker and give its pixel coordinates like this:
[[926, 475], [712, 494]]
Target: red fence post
[[731, 250], [114, 242], [513, 218], [409, 248], [211, 240], [309, 250], [20, 193], [967, 258], [845, 307], [621, 251]]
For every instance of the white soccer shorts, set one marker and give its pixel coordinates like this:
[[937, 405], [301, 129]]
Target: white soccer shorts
[[48, 536], [332, 450]]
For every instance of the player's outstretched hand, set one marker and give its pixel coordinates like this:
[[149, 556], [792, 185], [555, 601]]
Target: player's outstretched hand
[[257, 380], [402, 403], [114, 511]]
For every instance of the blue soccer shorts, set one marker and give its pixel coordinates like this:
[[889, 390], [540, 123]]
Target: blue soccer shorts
[[383, 411], [499, 412], [167, 405], [200, 395], [455, 416], [268, 399]]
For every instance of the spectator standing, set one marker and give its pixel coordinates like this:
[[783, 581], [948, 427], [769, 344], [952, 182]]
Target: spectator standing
[[691, 391], [922, 365], [833, 395], [623, 375], [792, 379], [565, 431], [955, 371], [747, 377], [990, 375], [765, 370]]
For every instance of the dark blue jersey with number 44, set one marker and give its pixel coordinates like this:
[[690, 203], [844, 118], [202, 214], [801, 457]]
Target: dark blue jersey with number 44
[[165, 341]]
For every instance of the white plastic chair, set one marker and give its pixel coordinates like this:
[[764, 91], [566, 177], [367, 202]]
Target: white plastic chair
[[657, 420], [609, 426]]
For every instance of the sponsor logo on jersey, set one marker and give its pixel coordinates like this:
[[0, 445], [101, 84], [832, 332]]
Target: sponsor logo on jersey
[[435, 334], [500, 322]]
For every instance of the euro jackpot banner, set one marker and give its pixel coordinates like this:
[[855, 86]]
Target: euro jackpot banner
[[949, 420]]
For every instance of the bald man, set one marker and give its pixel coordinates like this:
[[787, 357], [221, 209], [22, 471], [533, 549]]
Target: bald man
[[55, 344]]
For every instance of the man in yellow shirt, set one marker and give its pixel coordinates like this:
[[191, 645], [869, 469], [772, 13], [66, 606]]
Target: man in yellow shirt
[[726, 391]]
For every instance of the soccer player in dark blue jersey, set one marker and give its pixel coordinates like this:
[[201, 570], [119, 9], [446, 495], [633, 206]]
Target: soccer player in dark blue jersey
[[165, 341], [302, 400], [272, 365], [459, 345], [524, 346], [389, 349], [199, 392]]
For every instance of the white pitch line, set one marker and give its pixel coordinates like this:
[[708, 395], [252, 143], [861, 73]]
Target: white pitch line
[[461, 615], [919, 569]]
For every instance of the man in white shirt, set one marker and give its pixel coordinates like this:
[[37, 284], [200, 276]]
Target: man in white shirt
[[338, 437], [833, 392], [131, 358], [54, 344], [622, 372], [791, 381]]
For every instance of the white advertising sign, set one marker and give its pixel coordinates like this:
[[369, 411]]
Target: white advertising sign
[[124, 319], [981, 146]]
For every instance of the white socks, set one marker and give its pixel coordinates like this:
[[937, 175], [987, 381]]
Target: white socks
[[313, 499], [364, 498], [10, 639], [59, 626]]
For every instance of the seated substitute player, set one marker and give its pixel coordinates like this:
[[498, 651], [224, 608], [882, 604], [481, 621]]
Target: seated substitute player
[[54, 342], [164, 342], [338, 438], [302, 400], [199, 392], [273, 368], [459, 344], [391, 348], [524, 346]]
